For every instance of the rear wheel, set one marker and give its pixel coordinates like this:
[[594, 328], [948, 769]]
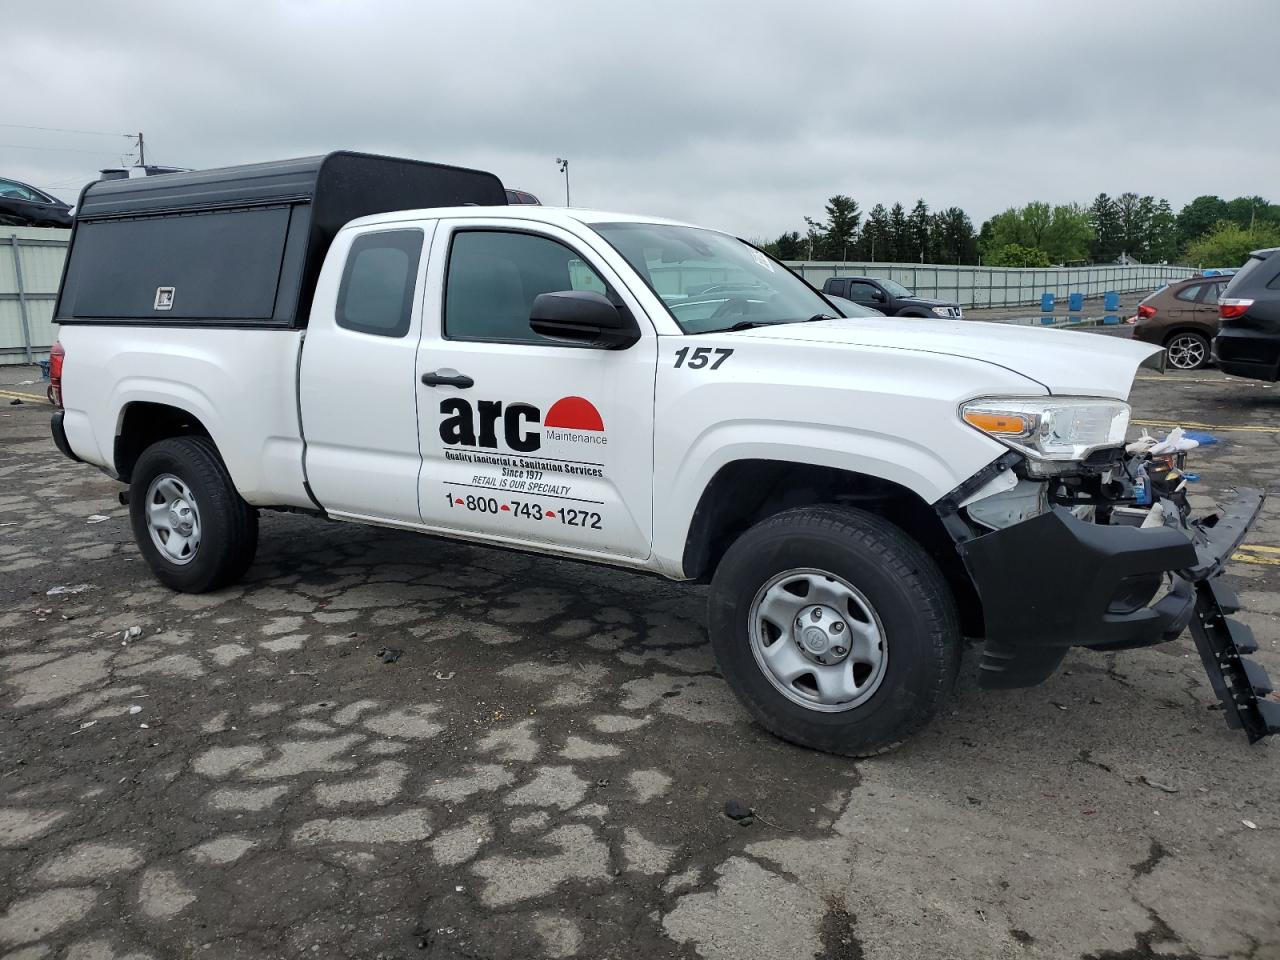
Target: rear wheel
[[195, 531], [834, 629], [1187, 350]]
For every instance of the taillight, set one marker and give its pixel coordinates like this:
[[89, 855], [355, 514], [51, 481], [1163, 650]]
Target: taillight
[[1229, 309], [56, 356], [1146, 311]]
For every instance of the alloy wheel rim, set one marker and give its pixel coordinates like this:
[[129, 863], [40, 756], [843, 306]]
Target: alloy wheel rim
[[1186, 353], [817, 640], [173, 519]]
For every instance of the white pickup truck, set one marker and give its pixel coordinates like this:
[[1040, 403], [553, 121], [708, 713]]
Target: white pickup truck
[[387, 342]]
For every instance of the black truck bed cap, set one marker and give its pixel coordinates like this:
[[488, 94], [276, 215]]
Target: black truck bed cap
[[240, 246]]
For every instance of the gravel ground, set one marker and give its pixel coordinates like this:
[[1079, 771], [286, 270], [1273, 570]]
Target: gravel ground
[[543, 770]]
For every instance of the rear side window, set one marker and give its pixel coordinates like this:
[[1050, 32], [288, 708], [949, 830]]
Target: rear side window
[[1238, 280], [376, 295], [495, 275], [1190, 293]]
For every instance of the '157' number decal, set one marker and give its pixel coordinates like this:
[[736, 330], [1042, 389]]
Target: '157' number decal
[[701, 356]]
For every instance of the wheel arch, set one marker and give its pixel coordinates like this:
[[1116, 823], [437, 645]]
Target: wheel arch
[[142, 423], [746, 491], [1186, 328]]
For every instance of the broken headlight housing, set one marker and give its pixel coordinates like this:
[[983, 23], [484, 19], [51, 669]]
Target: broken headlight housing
[[1055, 434]]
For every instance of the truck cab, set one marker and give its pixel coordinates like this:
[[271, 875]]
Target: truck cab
[[386, 342]]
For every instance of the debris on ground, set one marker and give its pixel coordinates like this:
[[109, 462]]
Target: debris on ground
[[390, 654], [739, 811], [1156, 784], [446, 676], [15, 403], [96, 518], [130, 634], [65, 591], [1250, 824], [134, 708]]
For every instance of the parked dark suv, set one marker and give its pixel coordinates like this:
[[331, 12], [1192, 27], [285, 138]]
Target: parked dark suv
[[1248, 341], [25, 206], [890, 298]]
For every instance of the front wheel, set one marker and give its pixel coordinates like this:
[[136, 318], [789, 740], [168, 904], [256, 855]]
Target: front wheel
[[195, 531], [1187, 350], [835, 629]]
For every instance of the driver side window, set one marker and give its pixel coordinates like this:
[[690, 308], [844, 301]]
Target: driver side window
[[494, 276], [864, 292]]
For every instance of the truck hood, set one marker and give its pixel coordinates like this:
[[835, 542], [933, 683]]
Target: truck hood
[[1065, 362], [925, 302]]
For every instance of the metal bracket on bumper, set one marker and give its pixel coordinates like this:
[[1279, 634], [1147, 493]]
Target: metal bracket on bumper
[[1241, 684]]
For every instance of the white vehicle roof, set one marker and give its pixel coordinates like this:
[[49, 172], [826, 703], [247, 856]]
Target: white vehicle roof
[[560, 216]]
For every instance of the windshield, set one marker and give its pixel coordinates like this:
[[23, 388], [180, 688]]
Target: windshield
[[709, 281], [895, 289]]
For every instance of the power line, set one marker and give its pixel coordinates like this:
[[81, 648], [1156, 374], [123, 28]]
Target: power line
[[19, 146], [90, 133]]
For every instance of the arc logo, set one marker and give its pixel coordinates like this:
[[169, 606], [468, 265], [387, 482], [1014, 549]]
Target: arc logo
[[575, 419]]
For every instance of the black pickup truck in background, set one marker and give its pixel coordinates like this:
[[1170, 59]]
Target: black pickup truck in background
[[890, 298]]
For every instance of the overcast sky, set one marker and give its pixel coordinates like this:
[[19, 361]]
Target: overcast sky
[[742, 115]]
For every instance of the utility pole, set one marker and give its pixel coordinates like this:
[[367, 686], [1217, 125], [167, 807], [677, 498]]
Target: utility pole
[[142, 148], [564, 168]]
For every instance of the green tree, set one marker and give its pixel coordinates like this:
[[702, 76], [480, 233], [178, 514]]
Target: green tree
[[875, 234], [1104, 218], [841, 229], [788, 246], [953, 233], [898, 241], [1067, 237], [1036, 219], [1016, 255], [1228, 244], [1001, 230], [918, 232], [1199, 217], [1162, 237], [1134, 223], [1245, 211]]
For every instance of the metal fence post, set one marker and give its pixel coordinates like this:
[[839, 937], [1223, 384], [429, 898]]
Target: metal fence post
[[22, 296]]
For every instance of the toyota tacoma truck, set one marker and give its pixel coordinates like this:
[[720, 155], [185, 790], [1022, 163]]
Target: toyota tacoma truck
[[387, 342]]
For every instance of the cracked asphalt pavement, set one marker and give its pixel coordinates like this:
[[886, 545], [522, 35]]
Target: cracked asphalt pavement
[[543, 770]]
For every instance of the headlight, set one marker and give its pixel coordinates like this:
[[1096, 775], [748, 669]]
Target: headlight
[[942, 311], [1050, 429]]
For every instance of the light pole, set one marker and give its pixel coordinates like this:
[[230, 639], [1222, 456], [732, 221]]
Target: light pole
[[564, 168]]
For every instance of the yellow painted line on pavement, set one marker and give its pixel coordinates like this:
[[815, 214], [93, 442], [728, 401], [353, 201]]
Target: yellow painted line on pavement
[[1205, 426], [1258, 548], [1246, 558], [25, 397]]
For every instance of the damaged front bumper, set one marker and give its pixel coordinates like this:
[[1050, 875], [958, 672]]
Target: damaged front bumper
[[1055, 581]]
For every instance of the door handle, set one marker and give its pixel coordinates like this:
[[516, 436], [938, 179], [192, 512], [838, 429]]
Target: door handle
[[448, 378]]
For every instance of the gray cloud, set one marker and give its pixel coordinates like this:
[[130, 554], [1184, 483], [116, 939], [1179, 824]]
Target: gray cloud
[[743, 115]]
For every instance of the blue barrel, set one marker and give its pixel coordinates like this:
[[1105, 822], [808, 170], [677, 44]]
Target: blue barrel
[[1046, 303], [1111, 318], [1075, 302], [1111, 301]]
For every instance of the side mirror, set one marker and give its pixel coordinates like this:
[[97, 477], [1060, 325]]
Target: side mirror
[[583, 316], [878, 296]]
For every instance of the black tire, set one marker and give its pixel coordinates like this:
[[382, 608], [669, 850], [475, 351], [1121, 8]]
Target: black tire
[[902, 584], [228, 525], [1184, 343]]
